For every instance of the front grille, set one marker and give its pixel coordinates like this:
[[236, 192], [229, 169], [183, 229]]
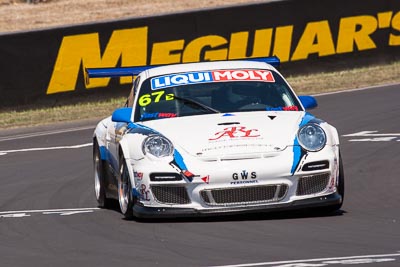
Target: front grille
[[312, 184], [170, 194], [244, 195]]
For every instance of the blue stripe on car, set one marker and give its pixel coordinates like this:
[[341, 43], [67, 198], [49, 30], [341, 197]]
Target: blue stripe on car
[[103, 152], [141, 129], [298, 151], [107, 156], [308, 117], [179, 160]]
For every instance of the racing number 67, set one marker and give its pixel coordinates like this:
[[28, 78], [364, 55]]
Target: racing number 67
[[155, 97]]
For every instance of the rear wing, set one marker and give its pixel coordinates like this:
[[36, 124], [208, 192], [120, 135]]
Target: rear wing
[[134, 71], [113, 72]]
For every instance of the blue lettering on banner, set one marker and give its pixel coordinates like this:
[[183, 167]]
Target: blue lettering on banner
[[180, 79]]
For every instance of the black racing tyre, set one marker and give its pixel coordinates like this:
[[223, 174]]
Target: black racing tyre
[[99, 178], [125, 197], [341, 179], [340, 188]]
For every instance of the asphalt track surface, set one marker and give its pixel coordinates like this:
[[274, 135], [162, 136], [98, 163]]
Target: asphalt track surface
[[48, 214]]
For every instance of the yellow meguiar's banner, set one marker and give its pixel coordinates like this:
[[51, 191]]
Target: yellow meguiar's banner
[[335, 35]]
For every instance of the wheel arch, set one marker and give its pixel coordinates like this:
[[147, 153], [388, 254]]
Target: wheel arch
[[124, 154], [333, 134]]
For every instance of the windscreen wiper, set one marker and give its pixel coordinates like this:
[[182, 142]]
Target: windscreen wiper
[[194, 103]]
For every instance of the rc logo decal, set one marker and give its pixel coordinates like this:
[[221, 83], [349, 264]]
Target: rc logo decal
[[235, 132]]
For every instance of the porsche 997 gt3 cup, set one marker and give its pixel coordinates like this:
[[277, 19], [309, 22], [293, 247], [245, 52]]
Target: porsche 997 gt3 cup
[[211, 138]]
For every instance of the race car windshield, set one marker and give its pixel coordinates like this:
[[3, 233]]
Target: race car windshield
[[197, 93]]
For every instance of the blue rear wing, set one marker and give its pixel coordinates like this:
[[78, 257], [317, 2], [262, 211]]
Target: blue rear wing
[[113, 72], [134, 71], [273, 61]]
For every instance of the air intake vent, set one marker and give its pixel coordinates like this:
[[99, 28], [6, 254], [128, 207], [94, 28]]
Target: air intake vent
[[244, 195], [312, 184], [170, 194]]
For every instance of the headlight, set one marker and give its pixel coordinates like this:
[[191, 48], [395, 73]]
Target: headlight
[[157, 146], [311, 137]]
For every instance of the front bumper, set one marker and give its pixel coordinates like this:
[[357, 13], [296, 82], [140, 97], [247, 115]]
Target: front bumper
[[169, 212]]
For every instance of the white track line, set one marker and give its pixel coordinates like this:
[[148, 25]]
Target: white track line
[[309, 260], [4, 152], [29, 135], [52, 210], [357, 89]]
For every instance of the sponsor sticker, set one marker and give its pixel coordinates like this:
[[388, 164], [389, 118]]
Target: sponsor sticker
[[289, 108], [245, 182], [138, 175], [144, 193], [244, 175], [157, 115], [210, 76], [206, 179], [242, 178], [235, 132]]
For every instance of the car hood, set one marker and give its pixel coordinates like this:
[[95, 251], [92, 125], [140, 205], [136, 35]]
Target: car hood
[[231, 136]]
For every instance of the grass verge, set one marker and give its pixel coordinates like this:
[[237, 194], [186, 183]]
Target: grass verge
[[304, 84]]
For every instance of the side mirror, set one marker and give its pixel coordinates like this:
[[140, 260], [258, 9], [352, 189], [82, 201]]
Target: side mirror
[[308, 102], [122, 115]]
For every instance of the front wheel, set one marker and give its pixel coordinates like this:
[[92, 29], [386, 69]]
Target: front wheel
[[339, 187], [341, 177], [125, 190]]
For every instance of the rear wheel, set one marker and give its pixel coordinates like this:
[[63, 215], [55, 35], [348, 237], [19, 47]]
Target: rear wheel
[[125, 190], [99, 177]]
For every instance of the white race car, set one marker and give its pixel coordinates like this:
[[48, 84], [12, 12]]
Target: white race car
[[210, 138]]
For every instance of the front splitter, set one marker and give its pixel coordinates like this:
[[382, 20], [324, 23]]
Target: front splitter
[[170, 212]]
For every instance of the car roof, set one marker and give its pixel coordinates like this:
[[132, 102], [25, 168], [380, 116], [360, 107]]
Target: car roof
[[205, 66]]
